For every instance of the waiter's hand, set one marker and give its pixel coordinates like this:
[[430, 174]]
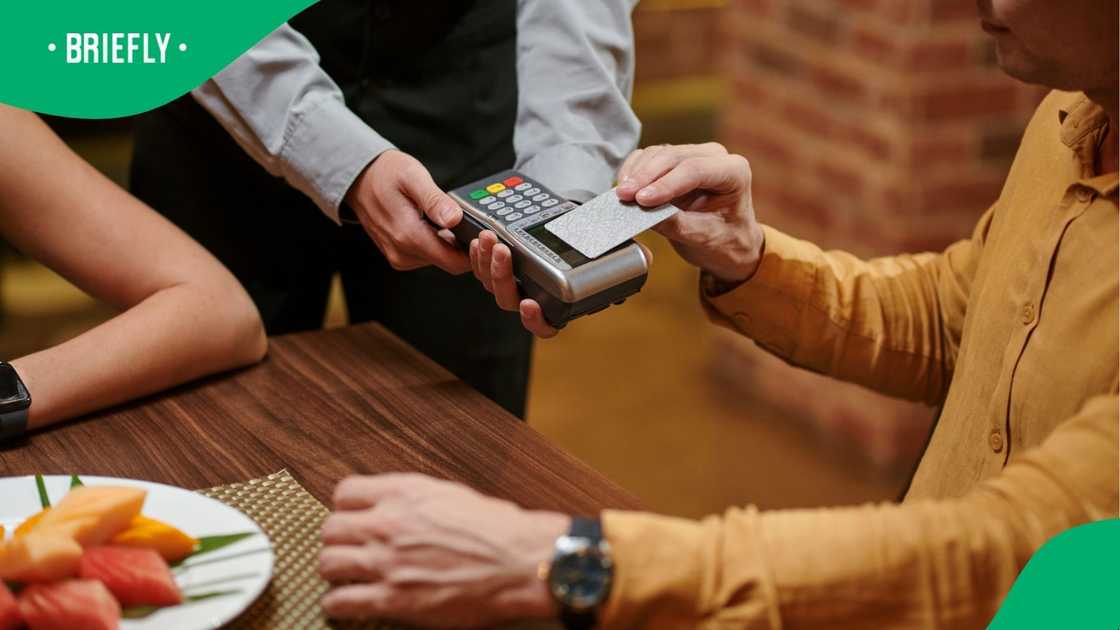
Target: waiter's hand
[[717, 231], [492, 263], [411, 548], [391, 197]]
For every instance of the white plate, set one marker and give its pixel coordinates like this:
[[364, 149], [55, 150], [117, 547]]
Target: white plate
[[246, 565]]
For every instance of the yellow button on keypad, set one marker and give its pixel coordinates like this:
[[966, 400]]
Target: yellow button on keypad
[[495, 188]]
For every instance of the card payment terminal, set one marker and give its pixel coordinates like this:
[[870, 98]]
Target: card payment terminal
[[548, 270]]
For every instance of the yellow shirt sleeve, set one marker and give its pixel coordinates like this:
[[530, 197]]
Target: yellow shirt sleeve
[[945, 563], [891, 324]]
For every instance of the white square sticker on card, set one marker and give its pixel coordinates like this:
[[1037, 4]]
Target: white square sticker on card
[[606, 222]]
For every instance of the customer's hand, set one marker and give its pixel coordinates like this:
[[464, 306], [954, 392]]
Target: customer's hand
[[492, 263], [391, 197], [411, 548], [717, 231]]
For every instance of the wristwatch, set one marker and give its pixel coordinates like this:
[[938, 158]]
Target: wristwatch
[[14, 403], [579, 578]]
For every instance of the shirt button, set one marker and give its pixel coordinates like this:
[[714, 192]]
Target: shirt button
[[1084, 194], [742, 319], [996, 441], [1028, 313]]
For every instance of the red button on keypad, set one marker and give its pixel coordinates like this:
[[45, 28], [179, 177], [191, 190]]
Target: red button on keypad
[[513, 181]]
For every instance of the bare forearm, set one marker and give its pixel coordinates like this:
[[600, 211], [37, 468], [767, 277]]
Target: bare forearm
[[176, 335]]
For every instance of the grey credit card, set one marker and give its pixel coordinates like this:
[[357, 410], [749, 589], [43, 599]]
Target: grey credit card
[[605, 222]]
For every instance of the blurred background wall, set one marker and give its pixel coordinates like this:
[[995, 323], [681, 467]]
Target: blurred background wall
[[876, 126]]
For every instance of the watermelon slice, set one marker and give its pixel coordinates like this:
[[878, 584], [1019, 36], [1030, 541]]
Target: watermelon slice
[[69, 605], [9, 609], [136, 577]]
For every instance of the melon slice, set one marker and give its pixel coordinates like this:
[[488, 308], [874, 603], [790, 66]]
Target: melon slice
[[39, 557], [30, 523], [148, 533], [92, 515]]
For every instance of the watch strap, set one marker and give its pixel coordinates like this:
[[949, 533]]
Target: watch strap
[[13, 424], [592, 530]]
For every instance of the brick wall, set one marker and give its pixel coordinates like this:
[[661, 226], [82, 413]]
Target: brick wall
[[877, 126]]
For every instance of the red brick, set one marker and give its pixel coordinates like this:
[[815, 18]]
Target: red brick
[[940, 149], [953, 11], [809, 117], [837, 84], [860, 5], [839, 179], [757, 8], [871, 143], [959, 100], [814, 24], [873, 45], [761, 147], [930, 56]]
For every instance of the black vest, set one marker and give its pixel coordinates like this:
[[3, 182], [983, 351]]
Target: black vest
[[437, 78]]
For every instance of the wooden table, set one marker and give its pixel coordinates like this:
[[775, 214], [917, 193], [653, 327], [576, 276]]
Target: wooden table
[[323, 405]]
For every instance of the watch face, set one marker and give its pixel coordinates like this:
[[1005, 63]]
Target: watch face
[[580, 579], [12, 394]]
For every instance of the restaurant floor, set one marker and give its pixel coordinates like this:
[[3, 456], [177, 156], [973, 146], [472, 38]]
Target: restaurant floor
[[636, 391]]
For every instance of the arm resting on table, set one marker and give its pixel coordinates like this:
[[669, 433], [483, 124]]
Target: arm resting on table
[[184, 316]]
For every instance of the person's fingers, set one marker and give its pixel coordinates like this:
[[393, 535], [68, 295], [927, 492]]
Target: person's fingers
[[722, 175], [358, 601], [502, 279], [338, 563], [626, 185], [360, 492], [351, 528], [415, 239], [532, 318], [486, 242], [656, 161], [473, 251], [417, 184]]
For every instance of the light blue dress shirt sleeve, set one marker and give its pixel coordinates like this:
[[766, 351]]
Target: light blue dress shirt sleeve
[[575, 72]]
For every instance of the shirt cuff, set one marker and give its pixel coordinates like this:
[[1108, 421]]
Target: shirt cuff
[[570, 172], [677, 573], [326, 149], [767, 307]]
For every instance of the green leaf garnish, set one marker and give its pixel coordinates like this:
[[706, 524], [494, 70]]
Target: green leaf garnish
[[206, 544], [75, 482], [44, 500], [139, 612]]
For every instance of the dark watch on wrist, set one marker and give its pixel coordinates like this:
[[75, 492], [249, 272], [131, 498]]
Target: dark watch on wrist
[[14, 403], [579, 578]]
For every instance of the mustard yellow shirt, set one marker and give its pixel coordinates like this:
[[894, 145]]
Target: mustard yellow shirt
[[1013, 332]]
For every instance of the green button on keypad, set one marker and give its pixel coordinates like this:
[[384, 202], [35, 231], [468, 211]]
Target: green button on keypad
[[478, 194]]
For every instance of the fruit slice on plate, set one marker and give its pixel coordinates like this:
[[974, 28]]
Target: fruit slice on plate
[[136, 577], [30, 523], [169, 542], [9, 610], [69, 605], [92, 515], [39, 557]]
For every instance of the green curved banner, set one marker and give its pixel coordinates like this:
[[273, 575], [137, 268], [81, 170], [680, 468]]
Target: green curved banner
[[1071, 582], [89, 59]]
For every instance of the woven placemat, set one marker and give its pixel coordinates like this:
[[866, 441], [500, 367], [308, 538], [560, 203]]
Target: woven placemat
[[292, 519]]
